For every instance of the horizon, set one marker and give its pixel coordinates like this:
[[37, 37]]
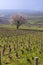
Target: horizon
[[21, 10]]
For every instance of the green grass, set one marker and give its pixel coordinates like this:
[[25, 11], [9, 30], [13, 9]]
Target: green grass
[[13, 27]]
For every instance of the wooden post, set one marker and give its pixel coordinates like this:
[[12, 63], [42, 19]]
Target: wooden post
[[17, 41], [36, 61], [0, 57], [41, 45], [29, 43]]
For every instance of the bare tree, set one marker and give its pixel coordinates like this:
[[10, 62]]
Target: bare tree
[[18, 20]]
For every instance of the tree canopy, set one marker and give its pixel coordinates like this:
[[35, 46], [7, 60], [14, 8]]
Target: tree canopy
[[17, 20]]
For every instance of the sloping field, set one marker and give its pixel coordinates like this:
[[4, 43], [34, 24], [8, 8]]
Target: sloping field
[[20, 47]]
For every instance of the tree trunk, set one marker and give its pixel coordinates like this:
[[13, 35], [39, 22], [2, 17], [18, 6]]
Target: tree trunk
[[17, 26]]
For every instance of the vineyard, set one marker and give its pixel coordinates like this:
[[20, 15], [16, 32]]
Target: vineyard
[[19, 47]]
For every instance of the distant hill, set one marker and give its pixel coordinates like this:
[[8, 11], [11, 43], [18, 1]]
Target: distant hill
[[28, 12], [32, 15]]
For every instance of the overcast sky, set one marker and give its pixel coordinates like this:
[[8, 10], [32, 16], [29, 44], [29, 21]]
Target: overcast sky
[[22, 4]]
